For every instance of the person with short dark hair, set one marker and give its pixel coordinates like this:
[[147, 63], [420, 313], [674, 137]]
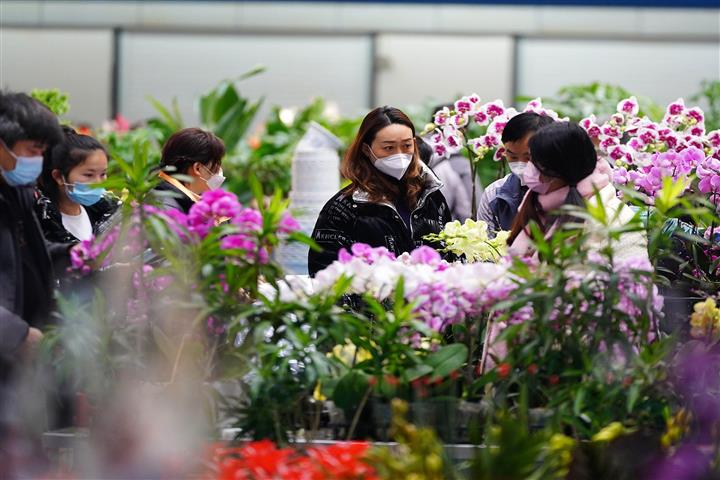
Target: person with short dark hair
[[69, 208], [27, 129], [394, 199], [193, 153], [500, 201]]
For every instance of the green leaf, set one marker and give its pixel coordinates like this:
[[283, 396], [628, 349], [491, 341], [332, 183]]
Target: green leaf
[[256, 70], [350, 390], [447, 359], [669, 195], [579, 401], [416, 372], [633, 396], [174, 122]]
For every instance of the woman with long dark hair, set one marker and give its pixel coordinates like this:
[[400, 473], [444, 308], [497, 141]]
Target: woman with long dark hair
[[564, 169], [394, 200]]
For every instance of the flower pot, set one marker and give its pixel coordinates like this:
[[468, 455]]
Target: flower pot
[[678, 303]]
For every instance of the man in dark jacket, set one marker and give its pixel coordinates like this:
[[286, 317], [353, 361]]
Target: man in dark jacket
[[27, 128]]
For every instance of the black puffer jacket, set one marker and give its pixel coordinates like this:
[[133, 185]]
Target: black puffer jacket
[[348, 219], [51, 220], [20, 308]]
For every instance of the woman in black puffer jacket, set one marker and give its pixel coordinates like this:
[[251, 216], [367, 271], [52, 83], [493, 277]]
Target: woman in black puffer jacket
[[394, 200]]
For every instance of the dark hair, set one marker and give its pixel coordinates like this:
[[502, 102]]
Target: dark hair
[[358, 168], [519, 126], [24, 118], [190, 145], [424, 150], [65, 156], [561, 150]]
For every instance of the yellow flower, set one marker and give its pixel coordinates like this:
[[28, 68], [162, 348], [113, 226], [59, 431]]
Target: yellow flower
[[676, 428], [561, 447], [347, 353], [705, 320], [317, 393], [609, 433], [559, 442]]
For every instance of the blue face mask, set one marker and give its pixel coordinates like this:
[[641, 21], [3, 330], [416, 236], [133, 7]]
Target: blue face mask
[[27, 170], [84, 194]]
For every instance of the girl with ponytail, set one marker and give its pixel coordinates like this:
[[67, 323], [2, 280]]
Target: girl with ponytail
[[69, 207], [564, 169]]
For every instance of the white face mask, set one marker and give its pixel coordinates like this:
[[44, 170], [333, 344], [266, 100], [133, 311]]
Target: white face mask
[[394, 165], [518, 168], [216, 180]]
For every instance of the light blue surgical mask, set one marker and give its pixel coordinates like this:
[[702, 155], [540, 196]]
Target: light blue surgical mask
[[84, 194], [26, 171]]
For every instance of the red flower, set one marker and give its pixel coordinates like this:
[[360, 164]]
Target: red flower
[[533, 369], [392, 380], [263, 461], [259, 459], [342, 460], [121, 123], [554, 379], [504, 370], [454, 375]]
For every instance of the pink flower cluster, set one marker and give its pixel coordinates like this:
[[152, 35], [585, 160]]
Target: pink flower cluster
[[444, 293], [364, 252], [120, 243], [649, 178], [708, 172], [449, 134], [148, 281], [215, 208], [643, 152], [83, 256]]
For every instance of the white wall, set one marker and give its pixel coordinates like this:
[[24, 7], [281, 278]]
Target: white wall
[[325, 48], [662, 71], [412, 68], [298, 69], [78, 62]]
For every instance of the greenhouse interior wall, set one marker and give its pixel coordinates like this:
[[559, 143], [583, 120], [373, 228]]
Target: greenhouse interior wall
[[110, 56]]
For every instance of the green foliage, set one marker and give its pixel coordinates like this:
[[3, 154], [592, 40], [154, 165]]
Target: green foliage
[[87, 349], [289, 341], [223, 110], [513, 452], [57, 101], [133, 159], [419, 454], [601, 99], [710, 92], [122, 148]]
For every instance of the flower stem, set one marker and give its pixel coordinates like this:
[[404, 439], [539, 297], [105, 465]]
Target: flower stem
[[356, 417], [486, 345]]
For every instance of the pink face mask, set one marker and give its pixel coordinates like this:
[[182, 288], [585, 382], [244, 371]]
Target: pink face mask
[[531, 177]]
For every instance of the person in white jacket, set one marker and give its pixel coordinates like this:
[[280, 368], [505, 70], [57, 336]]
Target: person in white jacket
[[453, 189], [564, 169]]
